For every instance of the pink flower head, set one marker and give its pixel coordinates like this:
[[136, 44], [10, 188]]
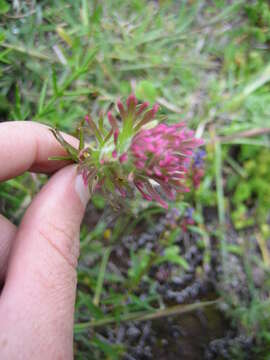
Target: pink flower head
[[124, 156], [163, 154]]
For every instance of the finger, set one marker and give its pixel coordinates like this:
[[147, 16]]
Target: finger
[[7, 234], [27, 145], [38, 297]]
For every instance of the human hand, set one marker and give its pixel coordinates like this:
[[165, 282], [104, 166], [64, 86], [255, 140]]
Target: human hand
[[38, 260]]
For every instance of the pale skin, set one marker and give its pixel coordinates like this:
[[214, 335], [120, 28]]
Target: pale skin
[[38, 258]]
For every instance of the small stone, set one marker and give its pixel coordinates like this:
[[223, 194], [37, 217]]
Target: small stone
[[133, 332]]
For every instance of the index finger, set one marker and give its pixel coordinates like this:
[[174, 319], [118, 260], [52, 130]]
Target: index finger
[[26, 145]]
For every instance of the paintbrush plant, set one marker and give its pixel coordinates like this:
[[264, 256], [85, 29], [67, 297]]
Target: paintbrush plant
[[135, 152]]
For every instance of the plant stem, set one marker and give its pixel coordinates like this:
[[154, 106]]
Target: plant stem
[[145, 315]]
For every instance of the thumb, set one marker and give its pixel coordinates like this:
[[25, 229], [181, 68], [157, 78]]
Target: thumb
[[37, 302]]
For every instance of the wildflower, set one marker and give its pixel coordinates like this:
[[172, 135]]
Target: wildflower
[[197, 170], [134, 154]]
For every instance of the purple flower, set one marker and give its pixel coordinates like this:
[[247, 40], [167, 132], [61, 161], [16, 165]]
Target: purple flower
[[198, 158], [197, 169], [189, 213]]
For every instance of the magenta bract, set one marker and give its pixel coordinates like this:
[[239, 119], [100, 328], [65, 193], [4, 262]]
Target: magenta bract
[[163, 154]]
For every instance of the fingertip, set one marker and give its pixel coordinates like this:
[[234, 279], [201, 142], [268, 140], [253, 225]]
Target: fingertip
[[82, 189], [49, 231]]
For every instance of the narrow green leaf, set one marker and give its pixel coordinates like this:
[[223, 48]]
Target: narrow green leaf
[[85, 13], [101, 276], [65, 158], [81, 137], [42, 96], [54, 82], [69, 148]]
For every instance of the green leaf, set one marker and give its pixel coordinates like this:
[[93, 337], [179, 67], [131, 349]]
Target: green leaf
[[171, 254], [234, 249], [54, 82], [85, 13], [17, 113], [4, 7], [85, 300], [60, 158], [4, 104], [2, 35], [111, 351], [140, 262], [109, 185], [101, 276], [42, 96], [173, 236], [98, 201], [69, 149], [146, 91]]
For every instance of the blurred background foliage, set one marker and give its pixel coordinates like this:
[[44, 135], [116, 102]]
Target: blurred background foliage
[[205, 62]]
